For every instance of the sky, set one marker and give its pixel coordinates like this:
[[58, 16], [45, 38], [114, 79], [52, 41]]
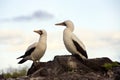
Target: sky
[[97, 25]]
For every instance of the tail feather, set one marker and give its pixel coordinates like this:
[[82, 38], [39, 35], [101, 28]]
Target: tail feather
[[20, 57], [22, 61], [78, 57]]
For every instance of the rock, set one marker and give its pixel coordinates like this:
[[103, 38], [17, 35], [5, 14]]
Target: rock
[[67, 67], [35, 67], [1, 77], [97, 63], [116, 73], [59, 65]]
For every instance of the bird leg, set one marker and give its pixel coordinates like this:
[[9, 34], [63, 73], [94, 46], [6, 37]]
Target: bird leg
[[35, 63]]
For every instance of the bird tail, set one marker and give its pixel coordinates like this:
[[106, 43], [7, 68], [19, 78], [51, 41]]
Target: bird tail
[[78, 57], [22, 61], [20, 57]]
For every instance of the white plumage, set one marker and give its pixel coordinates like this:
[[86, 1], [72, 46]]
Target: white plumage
[[72, 43], [35, 51]]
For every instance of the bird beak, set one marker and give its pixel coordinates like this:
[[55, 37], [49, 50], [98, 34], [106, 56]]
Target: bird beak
[[62, 24], [36, 31]]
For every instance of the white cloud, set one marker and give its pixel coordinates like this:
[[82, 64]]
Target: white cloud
[[98, 44], [19, 40], [98, 38], [14, 40]]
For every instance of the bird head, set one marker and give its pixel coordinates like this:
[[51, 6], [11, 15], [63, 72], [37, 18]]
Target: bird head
[[65, 23], [69, 24], [41, 32]]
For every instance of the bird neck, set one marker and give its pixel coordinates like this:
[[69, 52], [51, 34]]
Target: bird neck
[[70, 27], [43, 39]]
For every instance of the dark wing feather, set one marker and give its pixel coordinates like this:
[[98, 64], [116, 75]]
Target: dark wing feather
[[27, 53], [80, 49]]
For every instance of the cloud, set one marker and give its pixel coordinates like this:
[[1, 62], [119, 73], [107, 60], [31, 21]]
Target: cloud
[[22, 18], [40, 15], [98, 44], [8, 36], [98, 38], [18, 40], [14, 40], [91, 39], [112, 38]]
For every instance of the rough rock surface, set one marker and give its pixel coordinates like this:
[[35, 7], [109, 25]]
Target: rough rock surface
[[67, 67]]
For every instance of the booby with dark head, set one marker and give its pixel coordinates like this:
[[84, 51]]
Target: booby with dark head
[[35, 51], [72, 43]]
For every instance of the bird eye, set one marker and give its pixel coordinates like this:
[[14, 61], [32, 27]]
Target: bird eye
[[41, 32], [64, 24]]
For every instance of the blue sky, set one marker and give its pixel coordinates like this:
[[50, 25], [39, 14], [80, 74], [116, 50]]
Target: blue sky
[[97, 24]]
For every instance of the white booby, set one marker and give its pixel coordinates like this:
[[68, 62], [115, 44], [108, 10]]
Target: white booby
[[72, 43], [35, 51]]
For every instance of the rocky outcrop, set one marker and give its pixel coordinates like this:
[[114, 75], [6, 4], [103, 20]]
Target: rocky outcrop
[[67, 67]]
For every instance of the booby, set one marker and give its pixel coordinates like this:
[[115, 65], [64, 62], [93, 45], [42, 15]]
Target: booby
[[72, 43], [35, 51]]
